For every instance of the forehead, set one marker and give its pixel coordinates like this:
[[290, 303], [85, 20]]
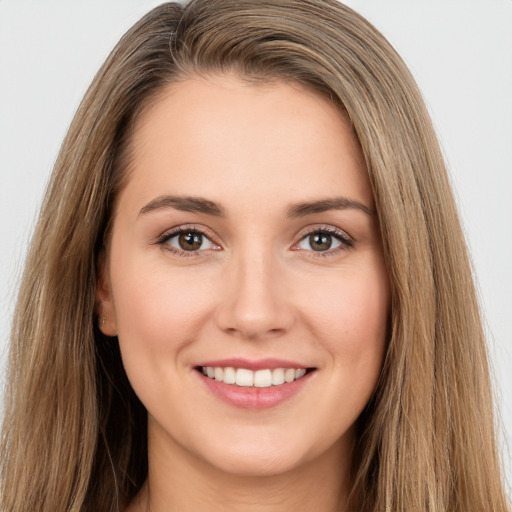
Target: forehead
[[224, 136]]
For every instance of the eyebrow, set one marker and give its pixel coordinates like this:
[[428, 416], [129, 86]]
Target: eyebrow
[[201, 205], [185, 204], [323, 205]]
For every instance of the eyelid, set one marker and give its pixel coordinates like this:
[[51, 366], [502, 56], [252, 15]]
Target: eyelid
[[183, 228], [347, 242]]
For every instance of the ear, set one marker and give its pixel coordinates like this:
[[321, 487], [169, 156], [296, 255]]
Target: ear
[[104, 300]]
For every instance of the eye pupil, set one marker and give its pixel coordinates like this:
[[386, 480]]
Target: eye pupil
[[190, 241], [320, 241]]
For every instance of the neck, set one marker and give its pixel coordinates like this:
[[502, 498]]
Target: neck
[[180, 481]]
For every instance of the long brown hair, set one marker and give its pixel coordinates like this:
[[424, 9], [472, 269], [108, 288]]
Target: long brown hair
[[74, 434]]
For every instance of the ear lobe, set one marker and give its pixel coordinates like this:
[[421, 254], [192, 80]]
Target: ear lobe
[[104, 300]]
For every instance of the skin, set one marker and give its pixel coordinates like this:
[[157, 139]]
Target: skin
[[254, 289]]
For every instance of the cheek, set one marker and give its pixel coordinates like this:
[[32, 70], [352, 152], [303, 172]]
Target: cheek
[[160, 311], [351, 306], [159, 308], [349, 318]]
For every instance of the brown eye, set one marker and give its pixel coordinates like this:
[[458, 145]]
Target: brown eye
[[320, 241], [187, 241], [325, 241], [190, 241]]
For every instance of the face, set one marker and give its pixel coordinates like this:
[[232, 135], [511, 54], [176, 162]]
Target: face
[[245, 278]]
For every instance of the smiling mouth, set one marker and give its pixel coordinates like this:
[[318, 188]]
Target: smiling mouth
[[243, 377]]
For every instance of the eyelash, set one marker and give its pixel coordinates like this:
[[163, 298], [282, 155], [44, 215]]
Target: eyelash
[[163, 239], [346, 242]]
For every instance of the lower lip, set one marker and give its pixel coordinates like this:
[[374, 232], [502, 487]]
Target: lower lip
[[255, 398]]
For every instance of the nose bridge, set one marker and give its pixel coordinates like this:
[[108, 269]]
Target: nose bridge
[[253, 302]]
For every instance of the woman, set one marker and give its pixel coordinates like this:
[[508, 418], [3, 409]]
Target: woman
[[177, 346]]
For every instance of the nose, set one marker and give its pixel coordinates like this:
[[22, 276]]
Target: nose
[[254, 303]]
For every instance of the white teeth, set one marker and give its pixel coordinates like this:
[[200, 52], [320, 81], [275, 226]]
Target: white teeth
[[300, 373], [244, 377], [229, 375], [262, 379], [277, 376], [289, 375], [248, 378]]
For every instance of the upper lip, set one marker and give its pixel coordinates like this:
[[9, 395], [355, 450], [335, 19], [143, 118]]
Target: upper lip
[[255, 364]]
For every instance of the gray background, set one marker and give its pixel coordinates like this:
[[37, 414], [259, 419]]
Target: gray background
[[460, 51]]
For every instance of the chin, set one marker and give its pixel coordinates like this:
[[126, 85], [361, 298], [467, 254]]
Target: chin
[[262, 455], [261, 465]]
